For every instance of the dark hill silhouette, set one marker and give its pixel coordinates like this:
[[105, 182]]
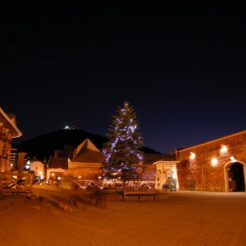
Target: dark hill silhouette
[[44, 145]]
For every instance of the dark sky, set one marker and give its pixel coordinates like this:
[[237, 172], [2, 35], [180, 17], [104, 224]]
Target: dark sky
[[181, 67]]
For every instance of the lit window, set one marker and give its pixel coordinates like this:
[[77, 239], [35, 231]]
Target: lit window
[[192, 156], [214, 162], [223, 149]]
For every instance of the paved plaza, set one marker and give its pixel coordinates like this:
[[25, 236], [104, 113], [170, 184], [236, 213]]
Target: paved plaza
[[181, 218]]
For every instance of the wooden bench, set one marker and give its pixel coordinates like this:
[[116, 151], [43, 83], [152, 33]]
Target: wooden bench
[[153, 193]]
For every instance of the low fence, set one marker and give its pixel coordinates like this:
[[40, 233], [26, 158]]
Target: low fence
[[115, 184]]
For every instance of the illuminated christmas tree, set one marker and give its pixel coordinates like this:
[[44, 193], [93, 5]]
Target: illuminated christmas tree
[[122, 152]]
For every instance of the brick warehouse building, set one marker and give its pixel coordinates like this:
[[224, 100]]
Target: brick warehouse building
[[217, 165]]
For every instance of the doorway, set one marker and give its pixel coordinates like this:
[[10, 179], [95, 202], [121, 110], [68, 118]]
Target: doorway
[[236, 179]]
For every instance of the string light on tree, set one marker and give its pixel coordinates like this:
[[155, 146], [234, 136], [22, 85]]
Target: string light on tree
[[122, 151]]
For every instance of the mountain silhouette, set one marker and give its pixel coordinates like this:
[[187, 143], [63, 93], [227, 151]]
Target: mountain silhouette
[[43, 146]]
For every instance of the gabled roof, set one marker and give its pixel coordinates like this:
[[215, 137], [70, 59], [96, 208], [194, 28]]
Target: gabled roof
[[10, 121], [87, 152]]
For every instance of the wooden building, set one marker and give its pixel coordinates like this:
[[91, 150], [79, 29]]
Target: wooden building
[[8, 131], [217, 165]]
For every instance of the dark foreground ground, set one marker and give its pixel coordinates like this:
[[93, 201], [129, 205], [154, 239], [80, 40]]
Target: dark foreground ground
[[182, 218]]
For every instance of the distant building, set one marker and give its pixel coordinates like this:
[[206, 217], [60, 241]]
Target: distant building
[[13, 159], [8, 131], [38, 168], [166, 173], [86, 162], [58, 163], [217, 165], [148, 171]]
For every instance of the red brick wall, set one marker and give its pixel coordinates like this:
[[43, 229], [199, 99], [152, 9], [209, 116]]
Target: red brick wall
[[190, 172]]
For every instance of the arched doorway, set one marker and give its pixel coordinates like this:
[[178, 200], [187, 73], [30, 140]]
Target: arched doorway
[[235, 177]]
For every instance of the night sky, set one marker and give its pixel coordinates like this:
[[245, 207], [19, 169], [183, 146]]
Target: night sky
[[183, 69]]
